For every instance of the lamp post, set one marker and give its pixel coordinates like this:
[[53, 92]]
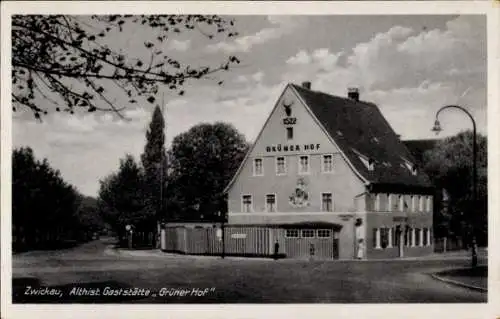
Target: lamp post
[[437, 129]]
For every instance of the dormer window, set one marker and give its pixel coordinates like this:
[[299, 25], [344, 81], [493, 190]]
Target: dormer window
[[410, 166], [368, 162], [414, 170], [371, 164]]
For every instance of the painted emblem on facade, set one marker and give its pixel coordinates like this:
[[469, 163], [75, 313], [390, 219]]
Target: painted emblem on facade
[[300, 197], [288, 108]]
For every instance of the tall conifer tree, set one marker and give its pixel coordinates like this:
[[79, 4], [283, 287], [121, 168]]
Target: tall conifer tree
[[154, 162]]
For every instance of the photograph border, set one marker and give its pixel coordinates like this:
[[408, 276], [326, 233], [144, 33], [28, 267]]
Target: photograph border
[[491, 309]]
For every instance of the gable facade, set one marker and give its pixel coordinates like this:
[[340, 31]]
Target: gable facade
[[302, 171]]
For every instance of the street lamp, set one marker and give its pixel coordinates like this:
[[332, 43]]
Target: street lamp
[[437, 129]]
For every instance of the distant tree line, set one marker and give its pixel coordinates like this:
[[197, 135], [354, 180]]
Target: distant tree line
[[449, 165], [47, 212]]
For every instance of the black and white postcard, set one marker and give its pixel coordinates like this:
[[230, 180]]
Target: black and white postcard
[[209, 159]]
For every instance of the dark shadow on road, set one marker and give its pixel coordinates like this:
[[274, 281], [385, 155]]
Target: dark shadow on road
[[481, 271]]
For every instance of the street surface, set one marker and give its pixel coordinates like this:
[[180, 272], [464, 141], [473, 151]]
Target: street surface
[[95, 273]]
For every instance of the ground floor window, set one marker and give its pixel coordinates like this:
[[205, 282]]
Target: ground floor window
[[307, 233], [324, 233], [326, 202], [384, 237], [270, 202], [247, 203], [417, 237], [408, 237], [292, 233]]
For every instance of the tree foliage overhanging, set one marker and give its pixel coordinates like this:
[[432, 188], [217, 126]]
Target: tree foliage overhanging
[[67, 60]]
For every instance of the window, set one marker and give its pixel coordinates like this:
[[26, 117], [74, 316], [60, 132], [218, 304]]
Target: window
[[292, 233], [280, 166], [258, 169], [413, 203], [402, 203], [417, 237], [428, 204], [410, 237], [389, 202], [384, 237], [327, 163], [421, 203], [303, 164], [324, 233], [270, 202], [307, 233], [394, 240], [377, 202], [289, 133], [247, 203], [326, 202]]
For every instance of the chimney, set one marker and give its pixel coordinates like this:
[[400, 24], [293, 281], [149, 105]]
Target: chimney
[[353, 93], [306, 85]]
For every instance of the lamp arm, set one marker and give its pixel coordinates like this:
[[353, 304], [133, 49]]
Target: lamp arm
[[460, 108]]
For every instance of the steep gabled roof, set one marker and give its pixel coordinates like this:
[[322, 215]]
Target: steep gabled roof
[[363, 134]]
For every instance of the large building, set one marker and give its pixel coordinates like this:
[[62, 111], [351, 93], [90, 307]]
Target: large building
[[328, 177]]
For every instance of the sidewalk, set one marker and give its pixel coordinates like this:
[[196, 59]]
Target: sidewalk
[[157, 253], [471, 278]]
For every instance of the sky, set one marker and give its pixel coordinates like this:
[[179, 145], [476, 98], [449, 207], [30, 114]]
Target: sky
[[409, 66]]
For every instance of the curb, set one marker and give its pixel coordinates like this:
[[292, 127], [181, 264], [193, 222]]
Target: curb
[[458, 283]]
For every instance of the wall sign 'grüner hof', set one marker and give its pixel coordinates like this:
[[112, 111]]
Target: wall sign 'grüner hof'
[[292, 148]]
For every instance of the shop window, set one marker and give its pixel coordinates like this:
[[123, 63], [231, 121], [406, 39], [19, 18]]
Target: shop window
[[327, 163], [292, 233], [417, 237], [270, 202], [425, 238], [280, 166], [326, 202], [324, 233], [407, 236], [307, 233], [384, 237], [247, 203], [304, 164], [258, 169]]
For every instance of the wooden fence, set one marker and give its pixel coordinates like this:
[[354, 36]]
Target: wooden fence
[[245, 241]]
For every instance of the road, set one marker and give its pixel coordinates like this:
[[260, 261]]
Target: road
[[195, 279]]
